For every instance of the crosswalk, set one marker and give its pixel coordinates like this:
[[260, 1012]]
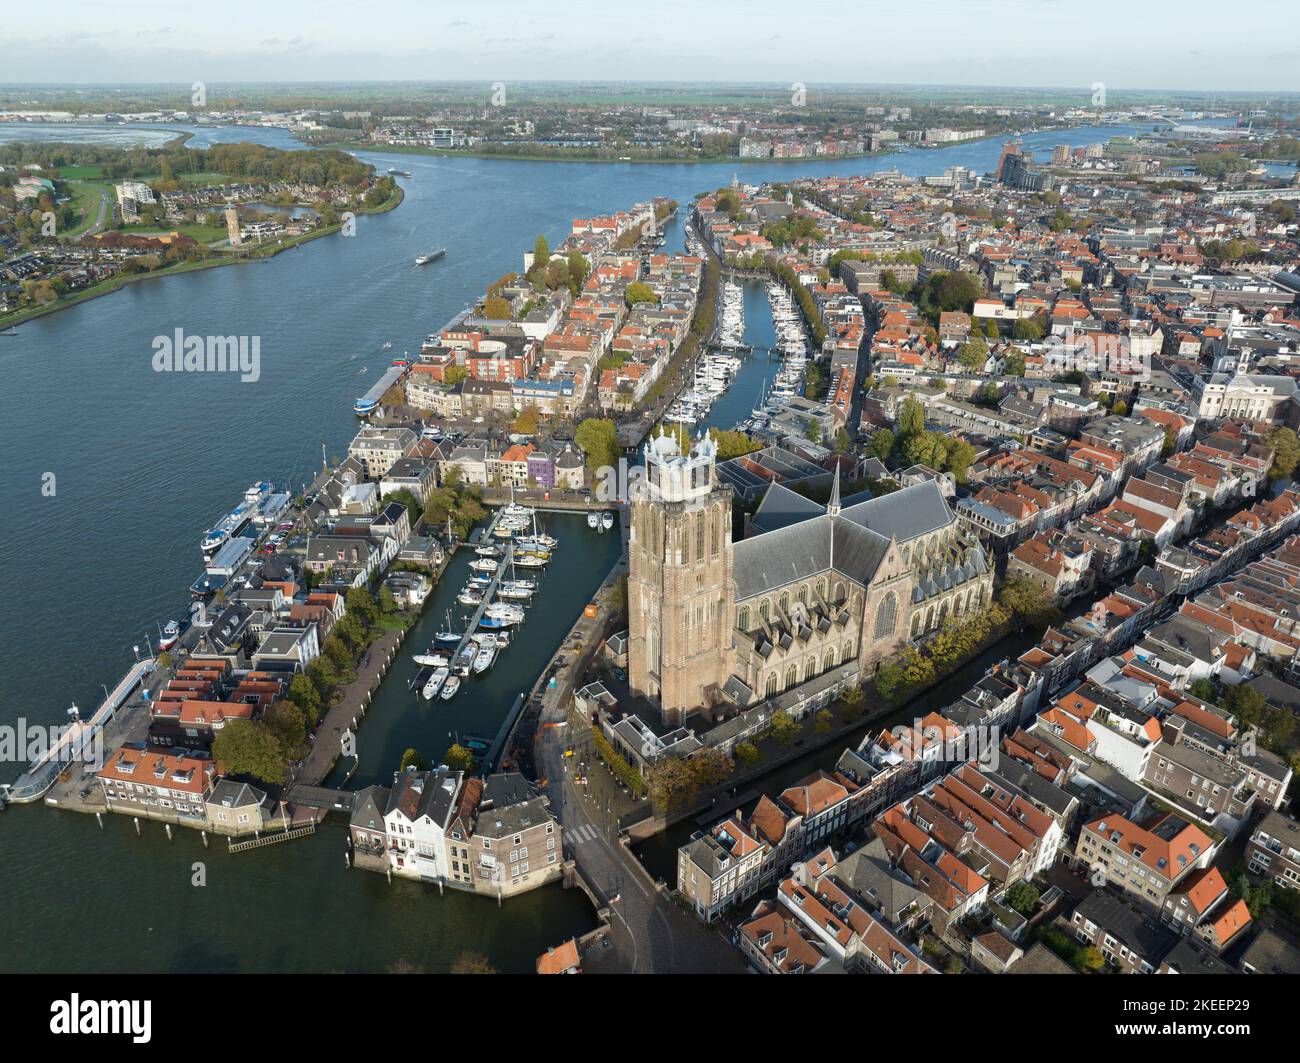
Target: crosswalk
[[582, 835]]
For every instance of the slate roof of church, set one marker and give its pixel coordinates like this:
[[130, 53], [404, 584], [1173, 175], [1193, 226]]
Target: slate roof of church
[[795, 539]]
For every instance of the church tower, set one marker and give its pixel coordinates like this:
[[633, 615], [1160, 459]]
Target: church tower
[[679, 588]]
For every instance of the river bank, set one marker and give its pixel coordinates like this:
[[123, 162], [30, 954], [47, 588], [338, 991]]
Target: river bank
[[259, 254]]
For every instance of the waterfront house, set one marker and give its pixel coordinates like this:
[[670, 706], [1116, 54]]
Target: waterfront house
[[420, 806], [288, 649], [563, 959], [237, 808], [173, 786], [378, 449], [367, 828], [516, 845]]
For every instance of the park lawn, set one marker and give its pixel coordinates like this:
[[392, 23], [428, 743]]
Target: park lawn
[[204, 234], [80, 173], [207, 178]]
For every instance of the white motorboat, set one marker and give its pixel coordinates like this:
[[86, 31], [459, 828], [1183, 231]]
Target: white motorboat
[[505, 612], [488, 550], [431, 660], [470, 597], [450, 687], [483, 564], [434, 685], [170, 635], [607, 520], [593, 519], [532, 561], [464, 660], [486, 656]]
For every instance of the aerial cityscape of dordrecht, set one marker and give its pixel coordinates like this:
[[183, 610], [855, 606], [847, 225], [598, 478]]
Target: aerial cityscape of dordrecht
[[643, 524]]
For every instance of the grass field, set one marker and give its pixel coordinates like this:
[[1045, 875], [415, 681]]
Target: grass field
[[80, 173], [85, 200], [204, 234], [205, 178]]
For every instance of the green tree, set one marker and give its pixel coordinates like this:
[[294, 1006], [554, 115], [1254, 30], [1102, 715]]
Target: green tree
[[1028, 602], [783, 727], [288, 724], [249, 747], [881, 444], [324, 677], [973, 353], [640, 292], [541, 251], [303, 693], [1023, 897], [578, 270], [598, 439], [823, 721], [959, 457], [458, 758], [352, 632], [1029, 328], [361, 602], [747, 754], [412, 759], [911, 418], [1286, 452]]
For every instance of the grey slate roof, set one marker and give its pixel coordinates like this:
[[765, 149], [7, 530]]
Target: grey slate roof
[[797, 551], [869, 873], [368, 807], [799, 543], [904, 514], [782, 507]]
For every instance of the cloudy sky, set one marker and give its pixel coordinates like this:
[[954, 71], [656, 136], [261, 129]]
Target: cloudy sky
[[1160, 44]]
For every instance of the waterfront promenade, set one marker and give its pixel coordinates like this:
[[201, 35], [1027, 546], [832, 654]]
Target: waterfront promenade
[[347, 713]]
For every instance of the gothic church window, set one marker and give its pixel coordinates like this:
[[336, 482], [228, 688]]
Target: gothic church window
[[886, 616]]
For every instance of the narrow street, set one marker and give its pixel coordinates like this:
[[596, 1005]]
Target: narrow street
[[649, 933]]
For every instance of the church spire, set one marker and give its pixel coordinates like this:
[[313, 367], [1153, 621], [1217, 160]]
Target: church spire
[[833, 508]]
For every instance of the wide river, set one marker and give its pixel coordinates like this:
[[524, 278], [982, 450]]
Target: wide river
[[142, 463]]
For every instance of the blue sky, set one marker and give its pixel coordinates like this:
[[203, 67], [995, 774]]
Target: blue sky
[[1190, 44]]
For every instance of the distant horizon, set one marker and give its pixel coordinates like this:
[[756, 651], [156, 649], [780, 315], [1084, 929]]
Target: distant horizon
[[854, 86], [1049, 45]]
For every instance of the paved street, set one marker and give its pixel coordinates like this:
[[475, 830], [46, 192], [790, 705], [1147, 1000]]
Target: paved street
[[650, 934], [325, 749]]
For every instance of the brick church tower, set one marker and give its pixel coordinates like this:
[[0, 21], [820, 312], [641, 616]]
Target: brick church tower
[[679, 588]]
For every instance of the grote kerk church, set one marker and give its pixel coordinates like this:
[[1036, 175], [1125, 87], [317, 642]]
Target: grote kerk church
[[810, 589]]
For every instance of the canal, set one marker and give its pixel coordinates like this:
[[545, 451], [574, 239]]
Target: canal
[[143, 462], [399, 718]]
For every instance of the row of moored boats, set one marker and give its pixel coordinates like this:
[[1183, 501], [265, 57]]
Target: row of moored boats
[[497, 594], [716, 370], [794, 348]]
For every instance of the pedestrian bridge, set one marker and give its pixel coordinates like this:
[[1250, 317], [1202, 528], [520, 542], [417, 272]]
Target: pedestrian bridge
[[320, 797]]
